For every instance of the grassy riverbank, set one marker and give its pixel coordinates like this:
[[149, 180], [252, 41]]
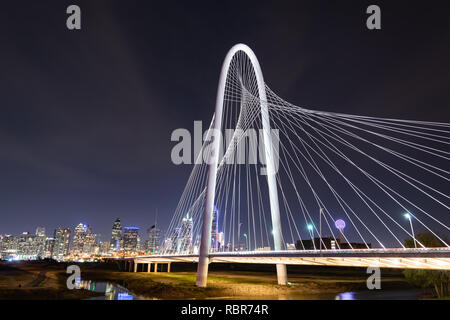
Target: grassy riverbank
[[36, 280], [40, 280]]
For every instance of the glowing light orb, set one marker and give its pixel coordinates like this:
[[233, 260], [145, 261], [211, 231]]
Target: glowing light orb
[[340, 224]]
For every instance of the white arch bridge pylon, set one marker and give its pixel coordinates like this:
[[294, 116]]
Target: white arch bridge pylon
[[387, 178]]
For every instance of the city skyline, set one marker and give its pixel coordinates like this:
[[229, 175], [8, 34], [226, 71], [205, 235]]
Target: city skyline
[[66, 242], [80, 240]]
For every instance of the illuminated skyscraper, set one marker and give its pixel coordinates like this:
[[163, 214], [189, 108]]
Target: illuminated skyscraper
[[49, 247], [105, 247], [39, 244], [89, 241], [185, 236], [173, 242], [62, 243], [24, 245], [8, 246], [116, 235], [214, 230], [30, 246], [40, 231], [79, 236], [154, 238], [220, 241], [130, 239]]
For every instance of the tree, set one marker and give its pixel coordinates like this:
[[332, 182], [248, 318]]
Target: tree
[[425, 238], [439, 279]]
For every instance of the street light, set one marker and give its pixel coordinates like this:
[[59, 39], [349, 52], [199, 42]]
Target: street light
[[408, 216], [239, 236], [246, 240], [310, 229], [320, 229]]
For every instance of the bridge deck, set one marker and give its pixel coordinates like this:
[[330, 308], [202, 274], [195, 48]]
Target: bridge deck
[[428, 258]]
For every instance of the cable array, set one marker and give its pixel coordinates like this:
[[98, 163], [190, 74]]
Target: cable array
[[369, 172]]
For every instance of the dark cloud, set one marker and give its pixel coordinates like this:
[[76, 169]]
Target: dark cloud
[[86, 116]]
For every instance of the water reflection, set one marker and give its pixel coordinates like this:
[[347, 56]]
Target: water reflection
[[112, 291], [406, 294], [345, 296]]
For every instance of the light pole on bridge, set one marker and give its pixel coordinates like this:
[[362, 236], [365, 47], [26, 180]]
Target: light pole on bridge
[[407, 215], [246, 242], [239, 236], [320, 229], [310, 229]]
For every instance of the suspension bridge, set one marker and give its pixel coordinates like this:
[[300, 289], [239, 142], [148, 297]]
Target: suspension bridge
[[281, 184]]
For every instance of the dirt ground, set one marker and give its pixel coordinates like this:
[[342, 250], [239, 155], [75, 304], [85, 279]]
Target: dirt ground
[[46, 280], [30, 281]]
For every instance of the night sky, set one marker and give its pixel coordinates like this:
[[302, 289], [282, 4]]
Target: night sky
[[86, 116]]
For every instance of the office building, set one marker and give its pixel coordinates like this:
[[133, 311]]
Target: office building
[[79, 237], [62, 243], [116, 235], [130, 239]]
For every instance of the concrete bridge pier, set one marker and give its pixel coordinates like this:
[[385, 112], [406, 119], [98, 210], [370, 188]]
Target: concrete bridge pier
[[133, 266], [282, 274]]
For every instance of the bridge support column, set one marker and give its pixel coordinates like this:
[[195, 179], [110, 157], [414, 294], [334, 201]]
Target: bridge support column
[[168, 267], [135, 266], [270, 170], [156, 268], [149, 267], [281, 274], [202, 271]]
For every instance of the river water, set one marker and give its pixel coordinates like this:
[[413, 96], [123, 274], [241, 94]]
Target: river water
[[413, 294], [113, 291]]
